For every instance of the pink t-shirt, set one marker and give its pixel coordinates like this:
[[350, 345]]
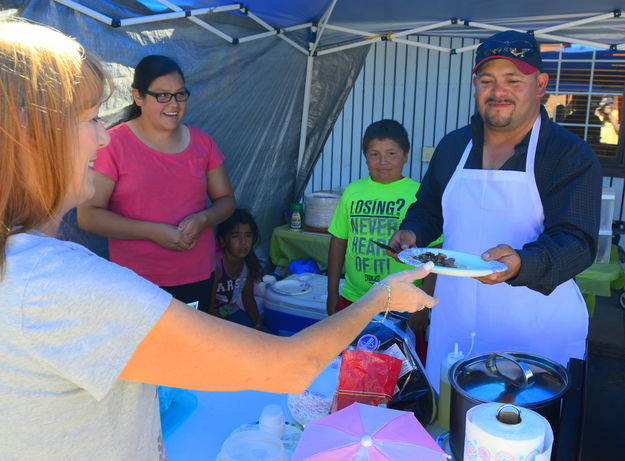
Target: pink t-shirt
[[165, 188]]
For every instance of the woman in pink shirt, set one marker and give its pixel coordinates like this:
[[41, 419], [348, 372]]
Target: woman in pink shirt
[[153, 183]]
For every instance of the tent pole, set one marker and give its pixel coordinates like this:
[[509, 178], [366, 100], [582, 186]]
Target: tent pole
[[151, 18], [258, 20], [572, 24], [271, 33], [492, 27], [540, 34], [418, 30], [403, 33], [421, 45], [378, 39], [349, 46], [86, 11], [561, 38], [201, 11], [199, 22], [467, 48], [306, 25], [167, 16], [212, 29], [324, 21], [305, 106], [249, 38], [349, 30]]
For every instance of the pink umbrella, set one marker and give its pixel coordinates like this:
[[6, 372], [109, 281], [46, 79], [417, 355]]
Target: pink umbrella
[[363, 432]]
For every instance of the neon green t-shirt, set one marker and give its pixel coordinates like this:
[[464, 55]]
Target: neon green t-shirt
[[370, 210]]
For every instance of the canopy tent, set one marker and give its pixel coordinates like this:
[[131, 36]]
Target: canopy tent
[[269, 77]]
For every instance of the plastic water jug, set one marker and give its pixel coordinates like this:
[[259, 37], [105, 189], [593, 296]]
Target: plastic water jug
[[252, 446]]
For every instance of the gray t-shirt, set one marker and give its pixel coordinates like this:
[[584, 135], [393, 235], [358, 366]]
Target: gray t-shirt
[[69, 323]]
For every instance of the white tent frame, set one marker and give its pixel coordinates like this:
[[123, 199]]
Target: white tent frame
[[357, 37]]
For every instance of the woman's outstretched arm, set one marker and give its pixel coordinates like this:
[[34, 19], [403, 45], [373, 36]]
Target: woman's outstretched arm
[[190, 349]]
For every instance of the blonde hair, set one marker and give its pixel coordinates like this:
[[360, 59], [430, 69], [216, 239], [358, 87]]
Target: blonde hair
[[46, 81]]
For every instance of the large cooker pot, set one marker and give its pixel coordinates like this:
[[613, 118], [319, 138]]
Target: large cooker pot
[[526, 380]]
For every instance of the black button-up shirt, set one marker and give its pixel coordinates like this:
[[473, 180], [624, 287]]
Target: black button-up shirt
[[569, 179]]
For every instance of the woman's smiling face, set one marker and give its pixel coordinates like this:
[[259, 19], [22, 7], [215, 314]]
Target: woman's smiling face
[[91, 136], [164, 116]]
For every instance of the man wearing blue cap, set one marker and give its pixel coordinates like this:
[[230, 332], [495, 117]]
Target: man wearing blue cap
[[515, 187]]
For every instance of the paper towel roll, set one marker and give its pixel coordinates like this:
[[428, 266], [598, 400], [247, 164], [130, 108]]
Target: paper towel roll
[[488, 439]]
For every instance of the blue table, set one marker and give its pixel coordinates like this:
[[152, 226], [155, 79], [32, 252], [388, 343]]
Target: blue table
[[200, 436]]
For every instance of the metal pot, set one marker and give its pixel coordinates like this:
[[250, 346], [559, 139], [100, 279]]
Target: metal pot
[[522, 379]]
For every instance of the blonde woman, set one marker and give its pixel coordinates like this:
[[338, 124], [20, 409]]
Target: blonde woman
[[82, 340]]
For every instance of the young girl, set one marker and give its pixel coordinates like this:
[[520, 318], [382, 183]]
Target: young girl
[[237, 270]]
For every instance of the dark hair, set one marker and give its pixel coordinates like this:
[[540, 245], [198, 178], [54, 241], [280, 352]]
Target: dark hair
[[386, 129], [149, 69], [241, 216]]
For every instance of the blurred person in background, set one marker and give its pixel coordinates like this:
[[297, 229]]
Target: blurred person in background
[[610, 123]]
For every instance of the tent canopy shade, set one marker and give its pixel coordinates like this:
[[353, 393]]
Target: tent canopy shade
[[269, 77], [326, 25]]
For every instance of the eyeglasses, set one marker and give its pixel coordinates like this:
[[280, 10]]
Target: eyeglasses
[[516, 48], [164, 98]]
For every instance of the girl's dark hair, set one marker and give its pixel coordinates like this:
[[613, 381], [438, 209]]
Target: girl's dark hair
[[386, 129], [241, 216], [149, 69]]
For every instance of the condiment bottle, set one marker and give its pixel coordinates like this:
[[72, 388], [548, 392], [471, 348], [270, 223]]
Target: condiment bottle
[[296, 219], [272, 420], [444, 396]]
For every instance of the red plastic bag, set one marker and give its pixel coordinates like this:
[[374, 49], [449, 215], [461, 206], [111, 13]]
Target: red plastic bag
[[366, 377]]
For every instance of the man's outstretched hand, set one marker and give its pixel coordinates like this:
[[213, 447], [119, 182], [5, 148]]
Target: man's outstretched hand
[[401, 240], [505, 254]]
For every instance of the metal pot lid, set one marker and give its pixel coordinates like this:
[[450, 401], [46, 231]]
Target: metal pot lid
[[509, 377]]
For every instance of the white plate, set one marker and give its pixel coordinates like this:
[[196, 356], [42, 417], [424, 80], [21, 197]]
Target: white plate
[[468, 265], [291, 287]]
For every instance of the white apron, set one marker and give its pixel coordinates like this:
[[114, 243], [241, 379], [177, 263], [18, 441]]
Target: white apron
[[481, 209]]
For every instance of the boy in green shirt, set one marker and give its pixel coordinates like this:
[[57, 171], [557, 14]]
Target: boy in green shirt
[[371, 208]]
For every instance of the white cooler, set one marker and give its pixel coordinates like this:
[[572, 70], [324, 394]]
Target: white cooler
[[289, 311]]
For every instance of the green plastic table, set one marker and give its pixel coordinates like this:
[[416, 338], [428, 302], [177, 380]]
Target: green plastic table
[[287, 245], [601, 279]]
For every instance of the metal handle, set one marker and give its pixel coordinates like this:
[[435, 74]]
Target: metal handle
[[526, 373], [516, 419]]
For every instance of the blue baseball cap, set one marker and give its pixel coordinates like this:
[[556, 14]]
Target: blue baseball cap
[[520, 48]]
